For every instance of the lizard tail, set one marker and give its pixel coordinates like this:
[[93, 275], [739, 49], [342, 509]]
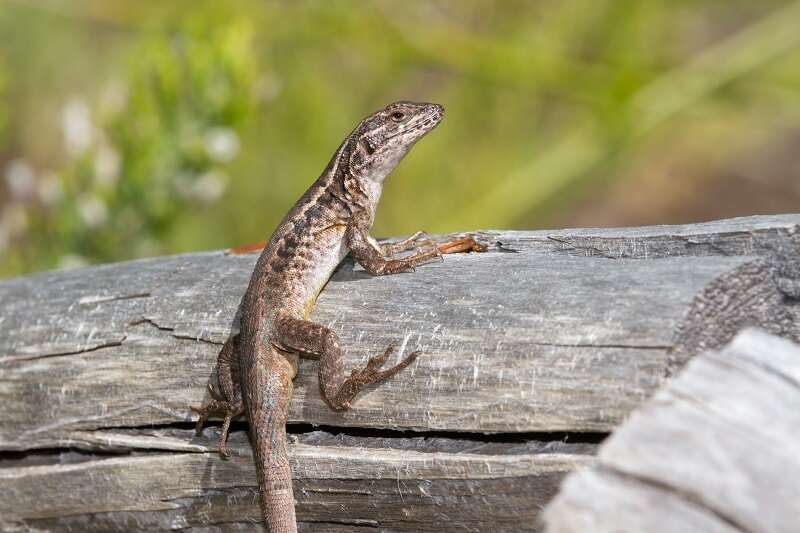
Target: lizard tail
[[278, 501], [268, 390]]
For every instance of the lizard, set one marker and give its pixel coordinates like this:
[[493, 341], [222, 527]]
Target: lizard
[[256, 366]]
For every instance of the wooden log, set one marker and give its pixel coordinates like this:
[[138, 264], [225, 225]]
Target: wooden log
[[716, 450], [544, 333], [161, 479], [548, 331]]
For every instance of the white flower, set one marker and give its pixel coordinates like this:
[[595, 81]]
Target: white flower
[[208, 186], [77, 127], [106, 165], [204, 188], [92, 210], [20, 179], [221, 144], [49, 189]]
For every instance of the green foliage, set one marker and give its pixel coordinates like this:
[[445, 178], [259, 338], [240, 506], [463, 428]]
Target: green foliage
[[157, 149], [544, 101], [4, 108]]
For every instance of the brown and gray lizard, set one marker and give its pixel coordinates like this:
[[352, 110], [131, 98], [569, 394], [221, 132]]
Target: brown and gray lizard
[[256, 366]]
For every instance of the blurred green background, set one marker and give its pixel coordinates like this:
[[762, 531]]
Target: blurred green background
[[137, 128]]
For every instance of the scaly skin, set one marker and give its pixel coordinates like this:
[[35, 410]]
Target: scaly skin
[[256, 366]]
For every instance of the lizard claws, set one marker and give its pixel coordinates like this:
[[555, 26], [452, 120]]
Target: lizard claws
[[230, 411], [203, 414], [217, 404], [214, 394], [372, 373], [377, 361]]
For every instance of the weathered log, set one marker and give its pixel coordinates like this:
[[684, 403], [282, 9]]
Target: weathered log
[[548, 331], [716, 450], [173, 480]]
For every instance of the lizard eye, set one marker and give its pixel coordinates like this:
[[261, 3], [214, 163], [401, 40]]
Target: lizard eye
[[398, 116]]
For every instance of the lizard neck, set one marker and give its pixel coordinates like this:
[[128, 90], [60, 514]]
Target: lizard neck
[[362, 186], [372, 190], [363, 192]]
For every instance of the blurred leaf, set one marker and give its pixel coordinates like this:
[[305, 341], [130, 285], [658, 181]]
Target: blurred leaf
[[161, 152], [198, 124]]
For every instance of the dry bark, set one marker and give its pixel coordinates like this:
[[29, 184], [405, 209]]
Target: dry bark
[[549, 334], [714, 451]]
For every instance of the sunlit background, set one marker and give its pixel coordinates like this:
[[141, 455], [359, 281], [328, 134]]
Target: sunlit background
[[140, 128]]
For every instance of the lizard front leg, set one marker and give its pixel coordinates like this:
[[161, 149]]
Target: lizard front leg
[[228, 400], [370, 255], [338, 390], [418, 240]]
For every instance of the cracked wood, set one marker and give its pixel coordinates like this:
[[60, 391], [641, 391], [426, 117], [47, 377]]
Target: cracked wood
[[535, 335], [715, 450], [562, 341], [170, 478]]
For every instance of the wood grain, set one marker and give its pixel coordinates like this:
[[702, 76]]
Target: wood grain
[[171, 479], [716, 450], [546, 332]]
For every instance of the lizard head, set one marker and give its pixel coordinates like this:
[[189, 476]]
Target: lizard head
[[382, 139]]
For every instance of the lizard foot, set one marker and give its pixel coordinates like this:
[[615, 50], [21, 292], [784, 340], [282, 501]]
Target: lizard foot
[[422, 243], [365, 376], [372, 373], [218, 404], [417, 242]]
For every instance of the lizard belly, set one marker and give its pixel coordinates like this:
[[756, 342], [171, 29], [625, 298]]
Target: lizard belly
[[320, 273]]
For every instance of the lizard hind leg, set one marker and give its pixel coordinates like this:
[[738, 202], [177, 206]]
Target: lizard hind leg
[[338, 389], [229, 410], [228, 401]]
